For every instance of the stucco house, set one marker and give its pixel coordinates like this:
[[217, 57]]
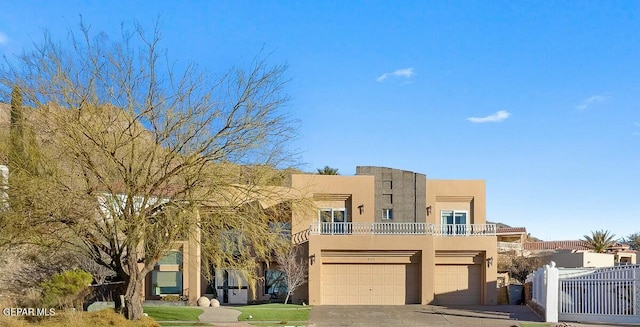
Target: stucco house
[[383, 236]]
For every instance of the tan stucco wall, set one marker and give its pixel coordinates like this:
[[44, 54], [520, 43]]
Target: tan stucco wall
[[581, 259], [457, 195], [359, 189]]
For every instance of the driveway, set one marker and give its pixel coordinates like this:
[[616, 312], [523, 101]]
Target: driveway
[[421, 315]]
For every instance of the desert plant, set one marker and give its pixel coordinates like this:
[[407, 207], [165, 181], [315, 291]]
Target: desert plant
[[600, 241], [327, 171], [66, 289]]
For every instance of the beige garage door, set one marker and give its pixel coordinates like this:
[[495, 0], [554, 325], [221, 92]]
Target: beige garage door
[[370, 284], [458, 284]]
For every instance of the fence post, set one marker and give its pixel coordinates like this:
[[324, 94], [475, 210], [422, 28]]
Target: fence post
[[552, 292]]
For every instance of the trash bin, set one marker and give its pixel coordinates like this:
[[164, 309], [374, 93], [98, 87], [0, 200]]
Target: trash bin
[[516, 294]]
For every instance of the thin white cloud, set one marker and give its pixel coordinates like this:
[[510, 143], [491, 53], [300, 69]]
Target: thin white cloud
[[4, 39], [404, 72], [588, 102], [495, 118]]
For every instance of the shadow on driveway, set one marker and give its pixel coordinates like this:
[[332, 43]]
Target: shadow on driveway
[[421, 315]]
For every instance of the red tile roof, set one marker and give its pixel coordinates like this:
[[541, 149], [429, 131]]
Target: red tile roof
[[510, 230]]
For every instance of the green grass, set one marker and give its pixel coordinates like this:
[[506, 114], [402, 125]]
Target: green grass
[[167, 313], [274, 312]]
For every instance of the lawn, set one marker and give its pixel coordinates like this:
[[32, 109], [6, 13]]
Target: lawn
[[274, 312], [170, 313]]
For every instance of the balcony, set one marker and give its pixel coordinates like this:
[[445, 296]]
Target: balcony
[[378, 228]]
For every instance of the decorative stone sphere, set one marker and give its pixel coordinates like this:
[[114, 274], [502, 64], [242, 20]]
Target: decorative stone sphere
[[203, 301], [215, 303]]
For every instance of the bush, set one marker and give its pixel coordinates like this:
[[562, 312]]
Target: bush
[[171, 298], [66, 289], [518, 266]]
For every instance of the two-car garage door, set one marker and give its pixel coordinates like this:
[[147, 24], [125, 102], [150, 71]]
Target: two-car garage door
[[359, 283]]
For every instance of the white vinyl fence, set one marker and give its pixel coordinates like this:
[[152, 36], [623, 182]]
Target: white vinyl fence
[[604, 295]]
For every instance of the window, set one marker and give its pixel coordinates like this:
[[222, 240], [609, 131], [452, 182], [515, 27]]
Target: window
[[274, 283], [333, 215], [387, 214], [166, 282], [454, 222], [334, 221], [280, 228], [171, 258]]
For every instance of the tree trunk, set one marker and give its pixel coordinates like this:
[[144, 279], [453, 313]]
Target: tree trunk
[[286, 299], [133, 298]]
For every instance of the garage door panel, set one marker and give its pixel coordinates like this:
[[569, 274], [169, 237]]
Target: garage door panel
[[367, 284], [458, 284]]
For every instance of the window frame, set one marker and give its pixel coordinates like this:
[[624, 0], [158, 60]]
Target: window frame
[[455, 228], [387, 213]]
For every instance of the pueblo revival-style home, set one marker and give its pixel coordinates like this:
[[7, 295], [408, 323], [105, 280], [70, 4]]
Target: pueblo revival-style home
[[383, 236]]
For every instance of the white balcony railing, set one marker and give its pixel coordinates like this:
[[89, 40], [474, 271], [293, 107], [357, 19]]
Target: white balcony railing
[[464, 230], [379, 228]]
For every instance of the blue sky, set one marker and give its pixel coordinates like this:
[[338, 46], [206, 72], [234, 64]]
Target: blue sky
[[539, 98]]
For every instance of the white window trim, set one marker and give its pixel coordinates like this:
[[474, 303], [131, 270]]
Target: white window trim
[[387, 214]]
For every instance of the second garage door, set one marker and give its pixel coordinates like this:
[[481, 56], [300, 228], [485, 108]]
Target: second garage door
[[458, 284], [370, 284]]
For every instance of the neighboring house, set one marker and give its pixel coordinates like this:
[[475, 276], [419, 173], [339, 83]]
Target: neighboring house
[[577, 254], [511, 239]]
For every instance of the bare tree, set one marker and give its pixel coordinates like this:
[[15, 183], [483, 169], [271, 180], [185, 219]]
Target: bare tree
[[294, 266], [137, 155]]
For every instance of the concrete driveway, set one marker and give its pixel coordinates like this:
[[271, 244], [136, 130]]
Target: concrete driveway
[[419, 315]]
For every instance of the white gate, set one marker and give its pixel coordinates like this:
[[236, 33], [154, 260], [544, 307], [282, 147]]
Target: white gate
[[603, 295]]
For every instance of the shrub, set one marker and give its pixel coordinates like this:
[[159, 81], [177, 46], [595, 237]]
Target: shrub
[[66, 289], [518, 266], [171, 298]]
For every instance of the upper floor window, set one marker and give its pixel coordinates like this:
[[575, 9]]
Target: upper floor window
[[283, 229], [333, 215], [171, 258], [387, 214]]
